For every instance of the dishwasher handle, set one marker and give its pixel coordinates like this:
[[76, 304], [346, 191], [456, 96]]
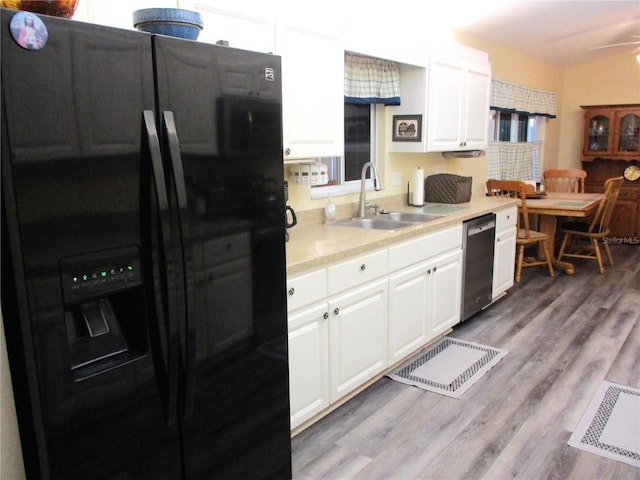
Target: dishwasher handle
[[481, 228]]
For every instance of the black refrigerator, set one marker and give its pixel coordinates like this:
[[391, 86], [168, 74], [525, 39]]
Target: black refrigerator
[[143, 255]]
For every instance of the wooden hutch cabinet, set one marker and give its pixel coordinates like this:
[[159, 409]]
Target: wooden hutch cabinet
[[611, 148]]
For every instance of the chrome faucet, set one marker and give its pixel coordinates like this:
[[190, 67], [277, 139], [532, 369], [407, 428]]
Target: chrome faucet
[[362, 206]]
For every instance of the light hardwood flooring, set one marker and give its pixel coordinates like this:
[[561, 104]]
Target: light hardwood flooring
[[564, 336]]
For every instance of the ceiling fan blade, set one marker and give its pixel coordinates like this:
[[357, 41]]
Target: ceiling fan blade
[[614, 45]]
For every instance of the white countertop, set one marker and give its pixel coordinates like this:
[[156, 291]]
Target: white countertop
[[314, 246]]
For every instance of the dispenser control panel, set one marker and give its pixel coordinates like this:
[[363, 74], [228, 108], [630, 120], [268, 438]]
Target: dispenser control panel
[[99, 274]]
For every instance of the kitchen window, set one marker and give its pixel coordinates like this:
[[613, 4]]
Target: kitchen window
[[370, 83], [514, 127], [515, 149], [359, 147]]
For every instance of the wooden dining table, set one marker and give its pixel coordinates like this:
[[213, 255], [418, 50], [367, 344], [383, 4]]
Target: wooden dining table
[[551, 205]]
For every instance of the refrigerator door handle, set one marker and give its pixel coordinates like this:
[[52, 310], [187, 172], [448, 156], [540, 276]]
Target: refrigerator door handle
[[186, 319], [160, 269]]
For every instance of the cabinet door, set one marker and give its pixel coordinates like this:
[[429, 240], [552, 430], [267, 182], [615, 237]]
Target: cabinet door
[[627, 140], [476, 112], [248, 28], [308, 362], [358, 336], [504, 255], [598, 134], [312, 88], [445, 104], [408, 311], [458, 108], [623, 223], [445, 292]]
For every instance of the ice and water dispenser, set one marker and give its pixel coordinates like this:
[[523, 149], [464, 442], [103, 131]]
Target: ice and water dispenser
[[104, 309]]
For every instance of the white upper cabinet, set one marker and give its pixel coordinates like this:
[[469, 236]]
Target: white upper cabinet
[[312, 87], [458, 103], [452, 97], [245, 26]]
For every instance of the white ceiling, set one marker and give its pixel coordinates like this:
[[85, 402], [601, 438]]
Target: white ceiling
[[561, 32]]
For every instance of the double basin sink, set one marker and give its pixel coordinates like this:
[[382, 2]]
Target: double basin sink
[[389, 221]]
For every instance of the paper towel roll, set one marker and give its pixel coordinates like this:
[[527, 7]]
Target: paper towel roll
[[418, 188]]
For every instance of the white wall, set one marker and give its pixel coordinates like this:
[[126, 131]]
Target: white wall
[[118, 13]]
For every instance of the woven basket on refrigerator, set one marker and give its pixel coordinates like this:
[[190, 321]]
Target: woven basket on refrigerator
[[447, 188]]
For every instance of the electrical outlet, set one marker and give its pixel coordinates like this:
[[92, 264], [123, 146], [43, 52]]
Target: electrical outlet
[[438, 170], [397, 179]]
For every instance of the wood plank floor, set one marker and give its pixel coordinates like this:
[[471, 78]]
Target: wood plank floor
[[564, 336]]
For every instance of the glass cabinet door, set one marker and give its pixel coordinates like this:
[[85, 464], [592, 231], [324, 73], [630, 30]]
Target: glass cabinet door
[[628, 132], [598, 133]]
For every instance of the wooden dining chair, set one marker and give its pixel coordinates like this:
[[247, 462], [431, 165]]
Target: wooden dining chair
[[582, 239], [569, 180], [526, 236]]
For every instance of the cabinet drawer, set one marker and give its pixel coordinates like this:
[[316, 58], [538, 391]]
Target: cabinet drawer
[[416, 250], [305, 289], [506, 218], [356, 271], [628, 194]]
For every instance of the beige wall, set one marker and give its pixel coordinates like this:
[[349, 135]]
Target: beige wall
[[609, 81]]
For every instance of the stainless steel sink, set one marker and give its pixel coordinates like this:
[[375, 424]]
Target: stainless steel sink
[[389, 221], [373, 223], [410, 217]]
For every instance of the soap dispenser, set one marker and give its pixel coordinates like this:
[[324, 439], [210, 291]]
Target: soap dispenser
[[330, 212]]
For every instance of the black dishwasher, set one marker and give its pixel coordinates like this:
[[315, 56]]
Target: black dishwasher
[[477, 265]]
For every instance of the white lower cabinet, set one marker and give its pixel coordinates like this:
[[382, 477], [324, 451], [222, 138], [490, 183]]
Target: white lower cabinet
[[445, 292], [308, 362], [424, 302], [354, 319], [358, 336], [424, 291], [504, 251], [408, 311]]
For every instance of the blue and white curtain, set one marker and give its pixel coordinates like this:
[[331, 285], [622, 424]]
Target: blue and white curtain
[[510, 97], [518, 160], [514, 160], [370, 80]]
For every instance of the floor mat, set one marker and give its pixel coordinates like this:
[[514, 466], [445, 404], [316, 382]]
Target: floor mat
[[611, 424], [449, 367]]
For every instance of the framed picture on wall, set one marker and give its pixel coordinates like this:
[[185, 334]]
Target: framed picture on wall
[[407, 128]]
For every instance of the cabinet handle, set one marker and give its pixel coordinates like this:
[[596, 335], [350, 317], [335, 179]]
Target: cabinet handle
[[434, 269], [287, 151], [497, 239], [292, 291], [363, 267], [326, 315], [429, 272], [336, 311]]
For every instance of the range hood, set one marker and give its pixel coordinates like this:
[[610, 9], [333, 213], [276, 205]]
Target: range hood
[[464, 154]]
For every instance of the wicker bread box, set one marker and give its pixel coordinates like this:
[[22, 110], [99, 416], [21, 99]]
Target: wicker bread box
[[447, 188]]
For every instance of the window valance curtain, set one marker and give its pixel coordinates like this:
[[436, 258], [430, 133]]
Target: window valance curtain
[[371, 80], [514, 160], [510, 97]]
